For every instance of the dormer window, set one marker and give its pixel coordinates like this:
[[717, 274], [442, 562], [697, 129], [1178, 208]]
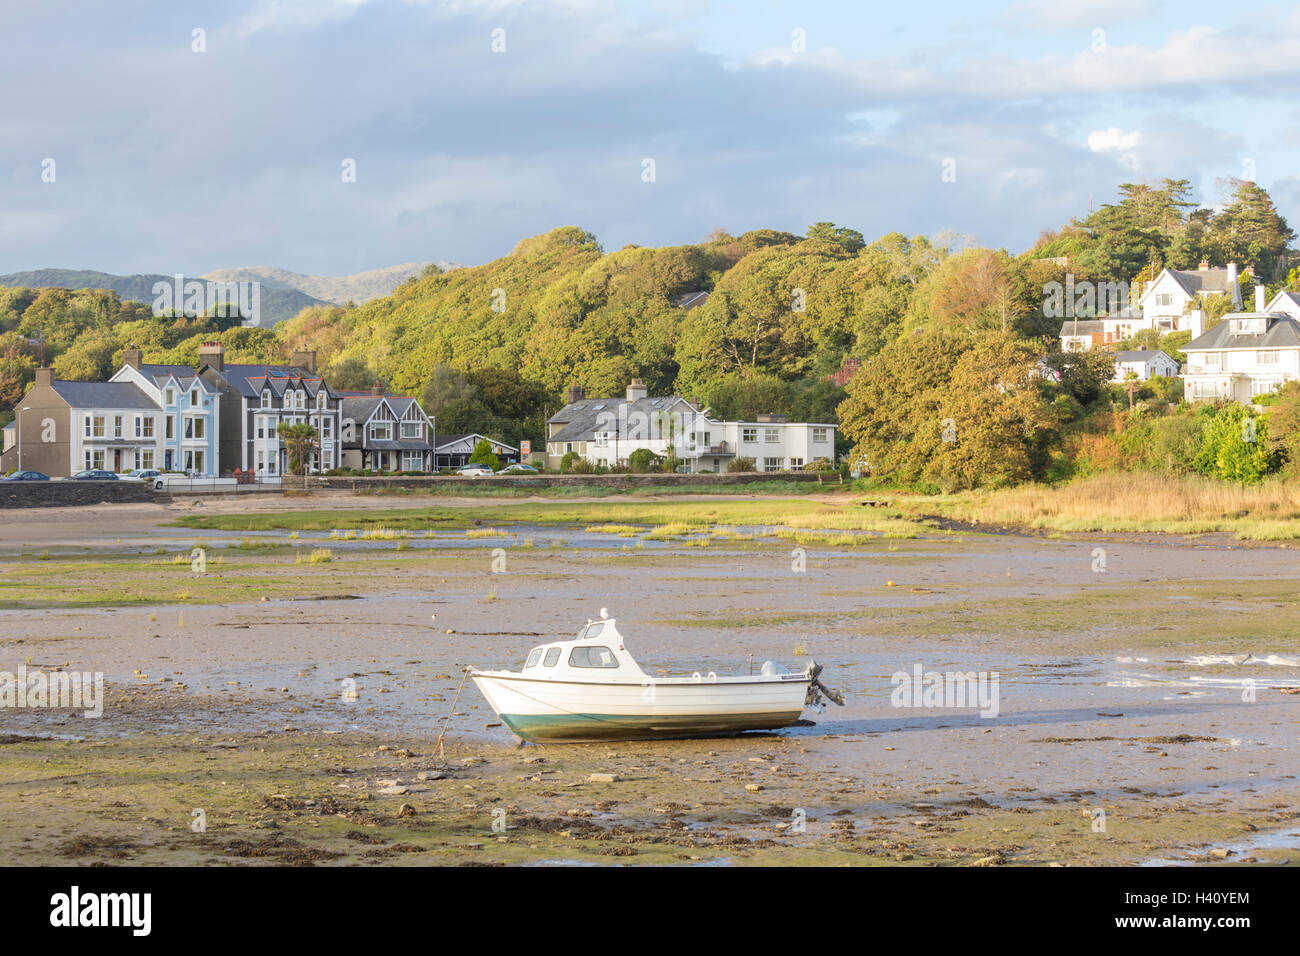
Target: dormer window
[[194, 398], [266, 398], [171, 396], [320, 398]]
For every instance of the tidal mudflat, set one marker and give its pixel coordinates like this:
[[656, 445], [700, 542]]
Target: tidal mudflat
[[289, 683]]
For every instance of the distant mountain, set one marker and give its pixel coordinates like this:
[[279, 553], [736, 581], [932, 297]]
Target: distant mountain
[[358, 288], [277, 302]]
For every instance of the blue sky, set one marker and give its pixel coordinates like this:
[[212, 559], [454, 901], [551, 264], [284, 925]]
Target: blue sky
[[756, 114]]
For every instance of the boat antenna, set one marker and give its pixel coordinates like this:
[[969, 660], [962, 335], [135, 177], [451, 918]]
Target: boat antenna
[[604, 613]]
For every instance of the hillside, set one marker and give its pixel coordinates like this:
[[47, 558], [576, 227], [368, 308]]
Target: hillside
[[360, 287], [277, 304]]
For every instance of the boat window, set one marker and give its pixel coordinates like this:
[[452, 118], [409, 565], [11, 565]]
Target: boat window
[[590, 656], [552, 656], [533, 657]]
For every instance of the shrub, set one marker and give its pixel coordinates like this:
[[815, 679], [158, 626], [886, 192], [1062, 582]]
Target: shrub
[[643, 461], [740, 464]]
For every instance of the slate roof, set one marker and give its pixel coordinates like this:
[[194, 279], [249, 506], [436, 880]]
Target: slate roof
[[1201, 280], [1283, 332], [359, 408], [185, 374], [1083, 327], [445, 441], [103, 395], [1141, 355], [249, 380], [580, 418], [691, 299]]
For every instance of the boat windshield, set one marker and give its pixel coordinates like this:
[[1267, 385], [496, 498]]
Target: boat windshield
[[591, 630]]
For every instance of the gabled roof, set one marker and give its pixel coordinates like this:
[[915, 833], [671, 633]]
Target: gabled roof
[[691, 299], [184, 374], [1194, 281], [1141, 355], [1283, 332], [445, 441], [103, 395], [580, 418], [359, 408], [1283, 300], [249, 380]]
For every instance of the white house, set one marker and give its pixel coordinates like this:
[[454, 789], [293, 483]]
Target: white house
[[1286, 303], [1245, 355], [605, 431], [1145, 363], [1165, 300]]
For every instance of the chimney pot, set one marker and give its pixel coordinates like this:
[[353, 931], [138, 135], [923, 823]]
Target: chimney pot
[[133, 357], [576, 393]]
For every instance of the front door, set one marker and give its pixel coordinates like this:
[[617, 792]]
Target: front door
[[167, 461], [117, 460]]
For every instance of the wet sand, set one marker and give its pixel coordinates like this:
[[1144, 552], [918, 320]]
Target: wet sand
[[1126, 729]]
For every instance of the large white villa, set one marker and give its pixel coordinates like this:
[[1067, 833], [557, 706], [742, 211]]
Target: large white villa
[[1246, 355]]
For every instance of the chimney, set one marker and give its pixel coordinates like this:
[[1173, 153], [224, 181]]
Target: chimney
[[1204, 266], [636, 390], [377, 390], [133, 357], [576, 393], [212, 354], [304, 359], [45, 376], [1259, 298]]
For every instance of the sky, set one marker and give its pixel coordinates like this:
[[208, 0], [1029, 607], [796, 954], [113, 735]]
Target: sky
[[182, 137]]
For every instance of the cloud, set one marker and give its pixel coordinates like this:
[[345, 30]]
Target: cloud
[[172, 161]]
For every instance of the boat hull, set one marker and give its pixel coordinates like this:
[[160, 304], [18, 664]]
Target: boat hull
[[555, 712]]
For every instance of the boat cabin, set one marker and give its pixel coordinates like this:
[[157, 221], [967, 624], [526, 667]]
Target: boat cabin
[[596, 652]]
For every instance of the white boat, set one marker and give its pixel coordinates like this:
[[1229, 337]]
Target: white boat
[[589, 688]]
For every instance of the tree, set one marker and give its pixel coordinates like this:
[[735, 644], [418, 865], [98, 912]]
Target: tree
[[301, 441], [1284, 427], [484, 455], [352, 375], [950, 408]]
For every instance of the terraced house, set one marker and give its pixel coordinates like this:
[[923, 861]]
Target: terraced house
[[65, 427], [256, 399], [190, 421]]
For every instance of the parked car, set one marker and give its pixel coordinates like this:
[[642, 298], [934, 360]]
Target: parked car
[[476, 471], [140, 474], [26, 476], [94, 474], [519, 468], [162, 478]]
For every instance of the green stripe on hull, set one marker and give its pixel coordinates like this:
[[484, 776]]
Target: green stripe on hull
[[560, 728]]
